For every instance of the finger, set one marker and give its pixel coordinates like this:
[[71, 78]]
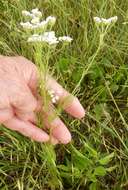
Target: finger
[[31, 116], [70, 103], [57, 127], [59, 131], [53, 140], [5, 114], [33, 119], [27, 129]]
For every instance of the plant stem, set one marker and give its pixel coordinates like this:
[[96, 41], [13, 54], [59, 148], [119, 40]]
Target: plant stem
[[101, 42]]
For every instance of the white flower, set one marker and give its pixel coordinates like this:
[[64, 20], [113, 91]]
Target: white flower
[[35, 20], [36, 12], [51, 92], [53, 96], [97, 19], [50, 34], [26, 25], [112, 19], [26, 13], [33, 14], [65, 39], [35, 24], [48, 37], [51, 20], [57, 97], [42, 25], [34, 38], [105, 21], [35, 35]]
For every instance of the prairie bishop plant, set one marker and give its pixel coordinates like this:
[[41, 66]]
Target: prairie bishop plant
[[103, 26], [38, 32]]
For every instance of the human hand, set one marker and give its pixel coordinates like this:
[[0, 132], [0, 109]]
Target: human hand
[[19, 101]]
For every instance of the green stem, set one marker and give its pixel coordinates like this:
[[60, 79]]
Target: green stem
[[101, 41]]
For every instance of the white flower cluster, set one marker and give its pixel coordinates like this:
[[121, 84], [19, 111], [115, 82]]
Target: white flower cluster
[[65, 39], [41, 25], [34, 13], [48, 37], [53, 96], [35, 22], [105, 21]]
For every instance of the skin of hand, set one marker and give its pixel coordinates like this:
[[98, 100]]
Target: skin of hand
[[19, 102]]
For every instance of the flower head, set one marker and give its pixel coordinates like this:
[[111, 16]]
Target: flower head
[[51, 20], [113, 19], [97, 19], [65, 39], [53, 96], [35, 24], [105, 21], [36, 12], [35, 20], [26, 13], [50, 38], [34, 38], [47, 37], [26, 25]]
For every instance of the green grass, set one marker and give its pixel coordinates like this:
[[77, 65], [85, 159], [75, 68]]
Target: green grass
[[97, 157]]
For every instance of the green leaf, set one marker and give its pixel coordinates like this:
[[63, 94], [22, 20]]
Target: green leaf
[[76, 75], [91, 150], [63, 64], [63, 167], [100, 171], [93, 186], [105, 62], [114, 87], [79, 160], [106, 159], [73, 173], [110, 169], [98, 109], [66, 175], [96, 72]]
